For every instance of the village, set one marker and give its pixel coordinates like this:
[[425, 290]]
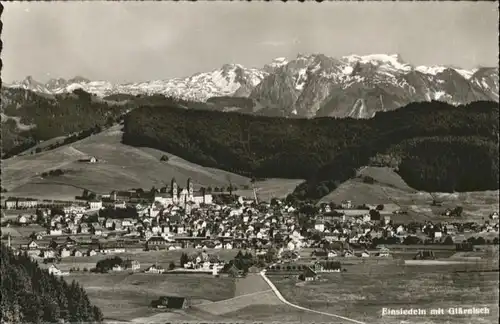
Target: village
[[283, 237]]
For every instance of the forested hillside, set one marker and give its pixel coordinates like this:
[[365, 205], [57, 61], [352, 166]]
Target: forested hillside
[[32, 295], [327, 151], [42, 117]]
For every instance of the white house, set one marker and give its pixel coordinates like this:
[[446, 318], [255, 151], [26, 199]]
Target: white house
[[95, 204], [155, 269], [56, 271], [319, 226], [384, 252]]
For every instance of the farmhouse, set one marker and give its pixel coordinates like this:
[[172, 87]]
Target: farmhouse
[[131, 265], [171, 302], [328, 266], [178, 196], [154, 269], [308, 275], [384, 252], [91, 159], [56, 271], [22, 219]]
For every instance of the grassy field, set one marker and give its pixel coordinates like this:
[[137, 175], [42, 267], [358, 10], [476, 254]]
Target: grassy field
[[125, 296], [361, 293], [21, 233], [120, 167]]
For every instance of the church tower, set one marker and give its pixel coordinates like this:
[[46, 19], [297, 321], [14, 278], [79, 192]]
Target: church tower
[[174, 192], [190, 188]]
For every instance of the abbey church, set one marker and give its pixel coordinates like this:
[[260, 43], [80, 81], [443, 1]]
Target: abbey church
[[174, 195]]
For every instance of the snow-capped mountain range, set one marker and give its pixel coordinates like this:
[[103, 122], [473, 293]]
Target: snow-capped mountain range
[[310, 85]]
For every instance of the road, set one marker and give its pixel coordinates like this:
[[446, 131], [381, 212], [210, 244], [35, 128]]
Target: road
[[278, 294]]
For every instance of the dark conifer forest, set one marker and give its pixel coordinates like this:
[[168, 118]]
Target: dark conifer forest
[[441, 147], [32, 295]]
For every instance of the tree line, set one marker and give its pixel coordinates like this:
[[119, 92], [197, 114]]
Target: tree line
[[32, 295], [327, 151]]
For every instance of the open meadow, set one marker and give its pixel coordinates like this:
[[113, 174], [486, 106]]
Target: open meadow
[[361, 292], [119, 167], [124, 296]]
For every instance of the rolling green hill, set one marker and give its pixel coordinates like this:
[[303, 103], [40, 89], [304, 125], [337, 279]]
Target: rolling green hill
[[120, 167]]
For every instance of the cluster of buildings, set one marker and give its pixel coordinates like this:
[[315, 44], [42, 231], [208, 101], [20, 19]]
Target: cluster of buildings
[[174, 218]]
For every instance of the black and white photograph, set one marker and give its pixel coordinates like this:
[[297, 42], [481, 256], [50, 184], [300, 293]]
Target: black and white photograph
[[250, 162]]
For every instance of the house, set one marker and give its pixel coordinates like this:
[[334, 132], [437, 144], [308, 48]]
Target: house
[[84, 228], [319, 226], [171, 302], [156, 242], [32, 245], [346, 204], [117, 268], [328, 266], [55, 271], [308, 275], [365, 254], [48, 254], [109, 223], [95, 204], [91, 159], [154, 269], [348, 254], [22, 219], [77, 253], [383, 252], [64, 252], [91, 252], [96, 229], [26, 203], [131, 265], [11, 203]]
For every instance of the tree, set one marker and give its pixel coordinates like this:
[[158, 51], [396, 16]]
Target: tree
[[380, 207], [171, 265], [480, 241], [184, 259], [164, 158], [448, 240], [374, 214], [412, 240], [368, 179], [457, 211], [109, 121]]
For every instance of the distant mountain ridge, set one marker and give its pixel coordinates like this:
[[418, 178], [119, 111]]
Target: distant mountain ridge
[[310, 85]]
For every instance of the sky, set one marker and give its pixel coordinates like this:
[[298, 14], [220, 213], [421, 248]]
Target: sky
[[138, 41]]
